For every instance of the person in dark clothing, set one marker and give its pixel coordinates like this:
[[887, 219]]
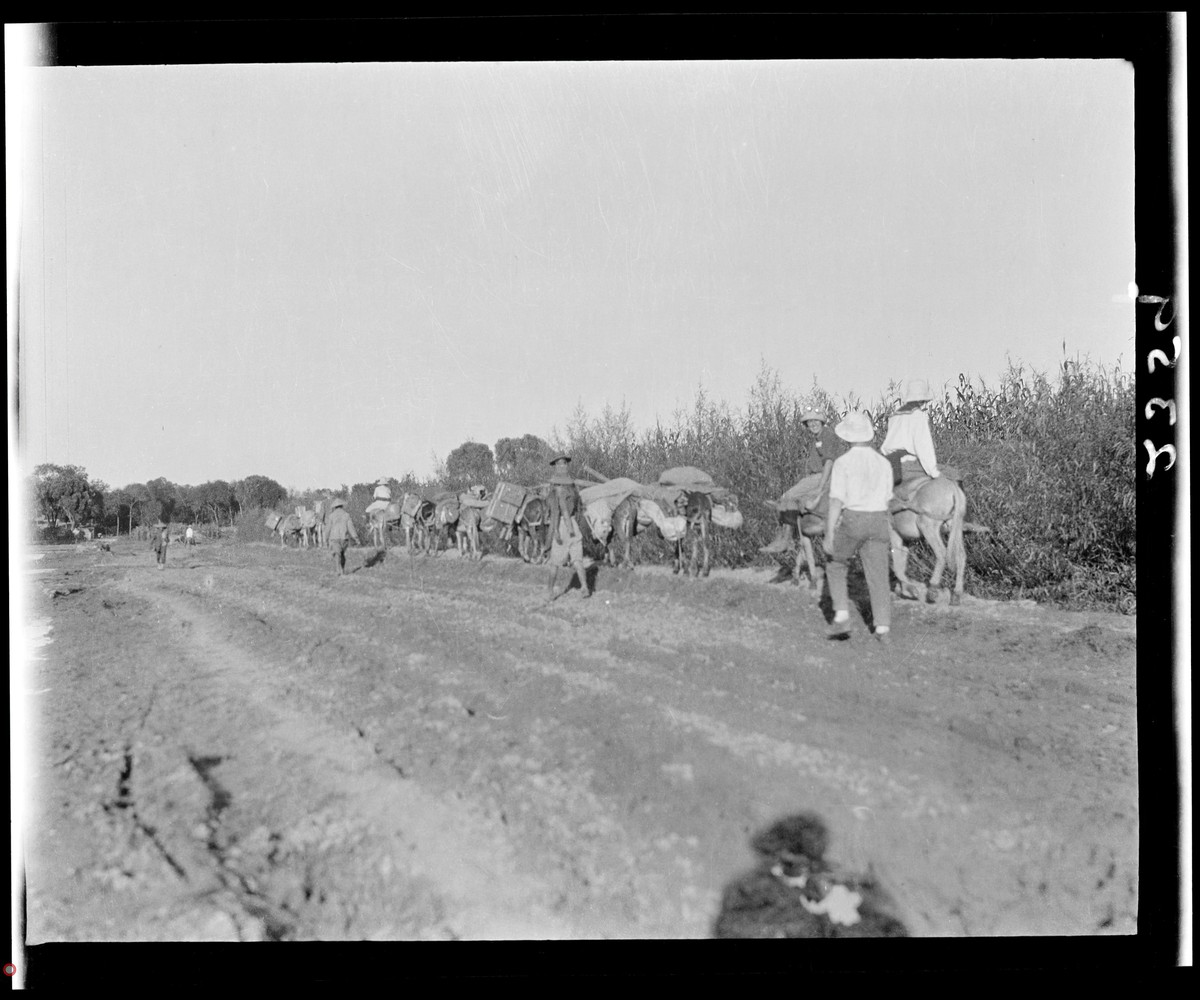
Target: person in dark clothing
[[161, 541], [340, 530], [565, 532]]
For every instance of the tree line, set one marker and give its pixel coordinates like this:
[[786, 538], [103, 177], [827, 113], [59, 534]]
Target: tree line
[[65, 496]]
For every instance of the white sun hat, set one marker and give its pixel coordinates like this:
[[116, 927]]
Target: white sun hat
[[856, 426], [917, 390]]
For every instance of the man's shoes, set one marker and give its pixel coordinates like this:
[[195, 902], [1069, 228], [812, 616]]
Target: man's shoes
[[883, 638], [839, 631]]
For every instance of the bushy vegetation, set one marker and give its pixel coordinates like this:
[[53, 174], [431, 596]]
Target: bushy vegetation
[[1050, 466], [1047, 463]]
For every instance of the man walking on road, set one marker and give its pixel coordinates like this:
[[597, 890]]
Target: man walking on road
[[860, 488], [566, 536], [161, 541], [340, 529]]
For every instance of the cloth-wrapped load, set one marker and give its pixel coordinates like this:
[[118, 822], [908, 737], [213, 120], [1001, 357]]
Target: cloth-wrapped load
[[686, 475], [599, 519], [672, 526], [446, 509], [726, 516], [601, 499]]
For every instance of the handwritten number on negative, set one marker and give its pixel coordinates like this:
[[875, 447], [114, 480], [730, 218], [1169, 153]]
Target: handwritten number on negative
[[1159, 325], [1150, 466], [1157, 355], [1162, 404]]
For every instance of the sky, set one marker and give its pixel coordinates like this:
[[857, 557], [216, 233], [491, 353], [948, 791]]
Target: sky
[[329, 273]]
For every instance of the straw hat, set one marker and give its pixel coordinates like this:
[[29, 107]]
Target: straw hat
[[917, 391], [855, 427], [381, 481], [337, 503], [813, 415], [560, 458], [159, 523]]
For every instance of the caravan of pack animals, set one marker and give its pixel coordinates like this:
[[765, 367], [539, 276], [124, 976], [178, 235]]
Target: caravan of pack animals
[[922, 501], [1050, 519]]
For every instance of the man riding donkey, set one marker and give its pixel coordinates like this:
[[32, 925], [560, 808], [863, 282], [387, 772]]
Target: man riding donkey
[[811, 493], [909, 445], [377, 509], [566, 534]]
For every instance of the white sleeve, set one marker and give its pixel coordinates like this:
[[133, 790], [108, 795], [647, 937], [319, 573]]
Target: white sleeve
[[923, 441], [888, 446]]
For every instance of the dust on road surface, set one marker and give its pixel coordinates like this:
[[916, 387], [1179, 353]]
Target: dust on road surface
[[245, 747]]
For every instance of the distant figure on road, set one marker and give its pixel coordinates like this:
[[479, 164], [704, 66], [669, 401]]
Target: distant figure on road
[[340, 529], [161, 541], [189, 536], [566, 535]]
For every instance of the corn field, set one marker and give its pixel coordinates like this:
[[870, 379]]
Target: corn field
[[1048, 463]]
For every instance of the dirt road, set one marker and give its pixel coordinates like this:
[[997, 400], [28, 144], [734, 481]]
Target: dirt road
[[245, 747]]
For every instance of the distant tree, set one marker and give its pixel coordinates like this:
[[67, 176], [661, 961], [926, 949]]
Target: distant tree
[[215, 498], [139, 503], [258, 491], [187, 504], [164, 498], [468, 464], [64, 493], [522, 459], [116, 507]]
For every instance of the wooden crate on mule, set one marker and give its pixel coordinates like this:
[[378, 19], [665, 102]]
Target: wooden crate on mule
[[506, 502]]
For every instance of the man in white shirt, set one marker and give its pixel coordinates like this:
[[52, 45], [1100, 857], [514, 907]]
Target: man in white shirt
[[860, 488], [909, 438]]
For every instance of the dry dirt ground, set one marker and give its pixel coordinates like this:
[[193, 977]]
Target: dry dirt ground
[[245, 747]]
